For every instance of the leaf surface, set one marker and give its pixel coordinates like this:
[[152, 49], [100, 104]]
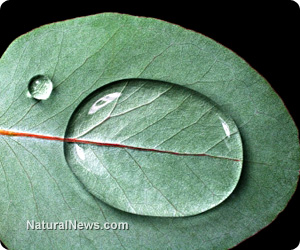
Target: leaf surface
[[88, 53]]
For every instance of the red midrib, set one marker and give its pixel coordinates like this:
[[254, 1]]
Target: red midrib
[[74, 140]]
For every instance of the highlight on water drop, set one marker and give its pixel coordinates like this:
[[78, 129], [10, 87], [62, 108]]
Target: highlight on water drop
[[40, 87]]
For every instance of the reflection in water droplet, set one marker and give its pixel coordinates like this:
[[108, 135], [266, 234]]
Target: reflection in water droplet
[[80, 152], [40, 87], [225, 127], [103, 101]]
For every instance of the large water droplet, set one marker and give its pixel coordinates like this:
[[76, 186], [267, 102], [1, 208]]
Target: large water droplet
[[154, 148], [40, 87]]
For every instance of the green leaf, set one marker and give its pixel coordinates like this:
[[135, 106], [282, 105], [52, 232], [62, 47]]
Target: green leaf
[[87, 53]]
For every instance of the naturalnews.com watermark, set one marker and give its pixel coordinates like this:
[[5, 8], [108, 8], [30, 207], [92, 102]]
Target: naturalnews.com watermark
[[76, 225]]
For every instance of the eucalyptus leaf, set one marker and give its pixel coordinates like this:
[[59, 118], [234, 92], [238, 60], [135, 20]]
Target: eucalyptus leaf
[[91, 52]]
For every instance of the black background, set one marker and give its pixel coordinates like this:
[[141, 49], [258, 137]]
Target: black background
[[266, 36]]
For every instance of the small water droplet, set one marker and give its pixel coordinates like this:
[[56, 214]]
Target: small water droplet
[[40, 87]]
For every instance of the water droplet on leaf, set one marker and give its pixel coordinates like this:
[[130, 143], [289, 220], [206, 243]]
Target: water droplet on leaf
[[154, 148], [40, 87]]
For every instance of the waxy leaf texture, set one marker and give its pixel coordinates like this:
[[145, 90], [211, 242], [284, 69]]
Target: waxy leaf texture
[[42, 180]]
